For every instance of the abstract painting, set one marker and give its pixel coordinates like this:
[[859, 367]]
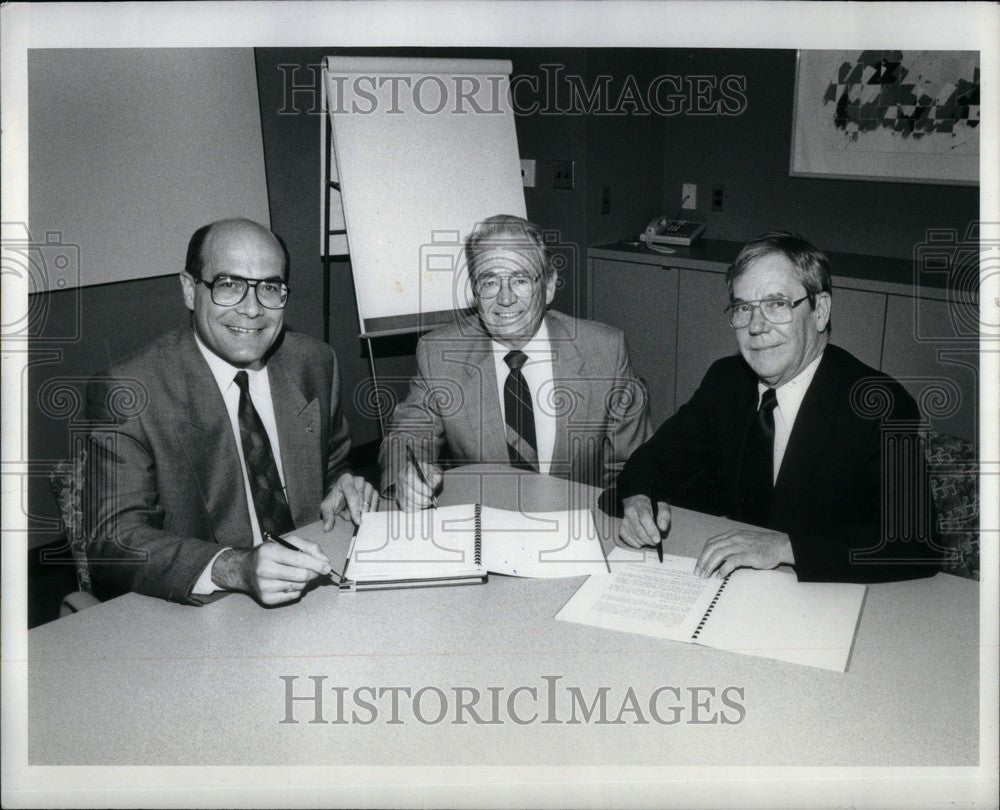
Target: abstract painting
[[902, 116]]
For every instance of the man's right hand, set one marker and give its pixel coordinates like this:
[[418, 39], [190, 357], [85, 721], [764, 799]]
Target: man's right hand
[[271, 573], [640, 526], [412, 493]]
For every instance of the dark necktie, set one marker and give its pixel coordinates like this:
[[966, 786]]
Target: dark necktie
[[269, 500], [519, 415], [757, 482]]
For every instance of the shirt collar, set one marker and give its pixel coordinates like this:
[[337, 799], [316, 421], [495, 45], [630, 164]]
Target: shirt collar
[[537, 348], [791, 394], [223, 371]]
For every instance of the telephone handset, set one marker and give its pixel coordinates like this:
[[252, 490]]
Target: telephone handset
[[663, 231]]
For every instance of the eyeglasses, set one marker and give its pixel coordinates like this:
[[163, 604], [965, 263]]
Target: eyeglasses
[[228, 291], [489, 286], [775, 310]]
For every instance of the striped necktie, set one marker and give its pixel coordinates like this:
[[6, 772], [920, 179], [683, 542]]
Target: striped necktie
[[519, 415], [269, 500]]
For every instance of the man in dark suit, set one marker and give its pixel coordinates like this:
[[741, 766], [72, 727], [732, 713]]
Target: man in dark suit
[[794, 435], [219, 436], [513, 384]]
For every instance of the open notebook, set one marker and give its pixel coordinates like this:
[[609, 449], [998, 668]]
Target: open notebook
[[765, 613], [455, 545]]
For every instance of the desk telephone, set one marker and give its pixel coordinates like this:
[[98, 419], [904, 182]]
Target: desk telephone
[[663, 231]]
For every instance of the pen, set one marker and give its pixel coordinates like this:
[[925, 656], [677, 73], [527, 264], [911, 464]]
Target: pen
[[281, 541], [659, 550], [420, 473]]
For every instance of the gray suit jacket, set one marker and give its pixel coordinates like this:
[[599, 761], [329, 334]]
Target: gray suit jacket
[[164, 488], [600, 406]]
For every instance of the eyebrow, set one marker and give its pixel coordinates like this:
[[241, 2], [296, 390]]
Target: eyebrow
[[244, 278]]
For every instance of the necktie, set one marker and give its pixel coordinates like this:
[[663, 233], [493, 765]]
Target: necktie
[[757, 482], [269, 500], [519, 415]]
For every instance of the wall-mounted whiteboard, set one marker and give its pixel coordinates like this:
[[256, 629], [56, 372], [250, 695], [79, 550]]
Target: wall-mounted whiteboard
[[131, 150], [423, 149]]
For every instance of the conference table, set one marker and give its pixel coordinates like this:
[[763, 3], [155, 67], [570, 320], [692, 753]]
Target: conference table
[[140, 681]]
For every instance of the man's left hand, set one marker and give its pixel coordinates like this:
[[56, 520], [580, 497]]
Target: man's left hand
[[744, 548], [350, 494]]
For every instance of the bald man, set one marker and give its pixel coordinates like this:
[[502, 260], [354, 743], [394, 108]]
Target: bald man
[[219, 437]]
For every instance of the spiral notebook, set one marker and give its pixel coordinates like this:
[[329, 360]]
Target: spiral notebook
[[457, 545], [764, 613]]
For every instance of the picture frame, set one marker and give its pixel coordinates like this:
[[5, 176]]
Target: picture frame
[[889, 115]]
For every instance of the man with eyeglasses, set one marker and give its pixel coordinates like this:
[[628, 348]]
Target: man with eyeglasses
[[219, 437], [794, 435], [514, 384]]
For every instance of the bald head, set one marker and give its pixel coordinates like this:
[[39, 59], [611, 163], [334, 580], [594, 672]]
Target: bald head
[[230, 238]]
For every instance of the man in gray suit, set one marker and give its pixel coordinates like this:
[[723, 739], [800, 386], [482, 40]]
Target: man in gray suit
[[218, 437], [513, 384]]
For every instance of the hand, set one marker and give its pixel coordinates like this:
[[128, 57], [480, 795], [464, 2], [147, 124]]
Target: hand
[[351, 493], [744, 548], [271, 573], [412, 493], [640, 527]]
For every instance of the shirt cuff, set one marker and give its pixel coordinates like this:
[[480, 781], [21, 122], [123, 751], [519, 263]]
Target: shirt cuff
[[205, 586]]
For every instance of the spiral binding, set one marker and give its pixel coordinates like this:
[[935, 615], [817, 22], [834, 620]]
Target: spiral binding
[[710, 608], [479, 535]]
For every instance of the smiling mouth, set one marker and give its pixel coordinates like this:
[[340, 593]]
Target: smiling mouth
[[239, 330], [508, 316]]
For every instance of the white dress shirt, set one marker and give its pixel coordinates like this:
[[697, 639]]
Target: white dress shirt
[[537, 371], [260, 394], [789, 396]]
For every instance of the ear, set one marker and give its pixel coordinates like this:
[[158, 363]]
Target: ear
[[821, 312], [550, 289], [188, 287]]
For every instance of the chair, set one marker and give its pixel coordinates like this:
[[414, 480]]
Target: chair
[[954, 474], [66, 481]]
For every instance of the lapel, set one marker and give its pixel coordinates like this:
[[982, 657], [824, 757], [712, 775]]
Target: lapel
[[206, 438], [298, 421], [567, 368], [479, 386], [810, 433]]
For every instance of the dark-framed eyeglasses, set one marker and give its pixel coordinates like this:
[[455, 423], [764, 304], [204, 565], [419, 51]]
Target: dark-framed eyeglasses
[[488, 286], [228, 291], [775, 310]]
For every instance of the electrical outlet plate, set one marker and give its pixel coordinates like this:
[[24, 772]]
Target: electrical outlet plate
[[528, 173], [564, 174], [689, 196], [718, 197]]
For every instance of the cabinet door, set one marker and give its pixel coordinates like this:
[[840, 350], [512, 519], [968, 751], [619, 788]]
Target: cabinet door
[[927, 349], [704, 334], [641, 300], [858, 317]]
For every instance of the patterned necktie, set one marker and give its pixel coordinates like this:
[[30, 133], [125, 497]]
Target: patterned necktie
[[519, 415], [757, 482], [269, 500]]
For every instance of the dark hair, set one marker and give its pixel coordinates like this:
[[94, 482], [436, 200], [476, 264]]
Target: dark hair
[[194, 262], [513, 233], [810, 265]]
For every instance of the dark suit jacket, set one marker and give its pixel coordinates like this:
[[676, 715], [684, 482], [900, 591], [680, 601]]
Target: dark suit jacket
[[600, 406], [852, 492], [164, 488]]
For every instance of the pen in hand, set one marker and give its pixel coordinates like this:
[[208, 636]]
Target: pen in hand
[[281, 541], [420, 473]]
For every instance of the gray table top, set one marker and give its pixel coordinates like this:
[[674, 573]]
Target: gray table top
[[139, 681]]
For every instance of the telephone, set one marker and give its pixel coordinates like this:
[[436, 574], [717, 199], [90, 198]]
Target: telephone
[[663, 231]]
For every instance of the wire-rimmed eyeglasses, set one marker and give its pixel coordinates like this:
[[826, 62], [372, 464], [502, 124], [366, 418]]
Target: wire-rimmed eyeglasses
[[228, 291], [488, 286], [775, 310]]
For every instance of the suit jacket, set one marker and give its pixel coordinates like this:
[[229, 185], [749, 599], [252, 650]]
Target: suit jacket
[[164, 489], [852, 491], [600, 406]]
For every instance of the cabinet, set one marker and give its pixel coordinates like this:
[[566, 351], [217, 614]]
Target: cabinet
[[670, 308]]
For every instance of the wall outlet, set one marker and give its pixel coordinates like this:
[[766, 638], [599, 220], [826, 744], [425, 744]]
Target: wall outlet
[[689, 196], [563, 177], [528, 173], [718, 197]]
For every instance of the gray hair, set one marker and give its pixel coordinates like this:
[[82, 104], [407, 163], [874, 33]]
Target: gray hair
[[513, 233]]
